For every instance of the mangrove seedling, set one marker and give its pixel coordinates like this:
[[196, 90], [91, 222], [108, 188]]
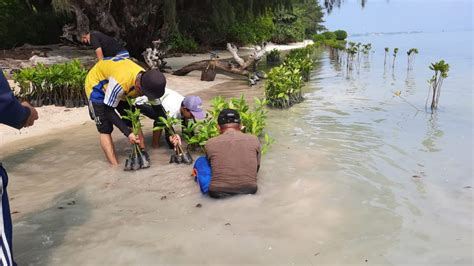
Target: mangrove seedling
[[180, 155], [136, 159], [387, 50], [441, 70], [273, 56], [395, 52], [411, 57]]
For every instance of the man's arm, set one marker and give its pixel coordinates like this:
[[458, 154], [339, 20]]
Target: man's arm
[[95, 42], [12, 113], [113, 95], [99, 53]]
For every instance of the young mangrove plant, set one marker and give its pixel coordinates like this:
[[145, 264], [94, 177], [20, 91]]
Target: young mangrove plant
[[366, 48], [137, 159], [273, 56], [59, 84], [180, 155], [411, 57], [387, 50], [395, 52], [283, 87], [253, 120], [441, 70]]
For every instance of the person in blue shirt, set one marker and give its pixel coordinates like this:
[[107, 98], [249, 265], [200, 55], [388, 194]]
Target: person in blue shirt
[[17, 115]]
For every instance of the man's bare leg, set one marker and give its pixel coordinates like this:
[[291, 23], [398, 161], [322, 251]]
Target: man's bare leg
[[108, 147], [156, 139], [142, 140]]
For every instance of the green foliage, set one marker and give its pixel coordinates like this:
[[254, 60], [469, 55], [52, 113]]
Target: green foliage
[[288, 28], [20, 23], [273, 56], [387, 49], [182, 43], [252, 120], [168, 124], [341, 35], [318, 38], [441, 69], [301, 59], [133, 115], [411, 57], [328, 35], [256, 31], [283, 87], [310, 14], [61, 84], [335, 44]]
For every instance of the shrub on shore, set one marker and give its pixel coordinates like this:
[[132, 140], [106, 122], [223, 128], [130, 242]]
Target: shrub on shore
[[283, 88], [341, 35], [329, 35], [59, 84]]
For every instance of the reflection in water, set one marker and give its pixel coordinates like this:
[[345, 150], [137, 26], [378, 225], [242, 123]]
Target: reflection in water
[[410, 82], [433, 134]]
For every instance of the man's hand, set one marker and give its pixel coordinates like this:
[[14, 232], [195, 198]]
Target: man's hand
[[175, 139], [133, 139], [33, 115]]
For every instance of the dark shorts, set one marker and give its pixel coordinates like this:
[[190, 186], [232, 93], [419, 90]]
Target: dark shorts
[[223, 194], [103, 124]]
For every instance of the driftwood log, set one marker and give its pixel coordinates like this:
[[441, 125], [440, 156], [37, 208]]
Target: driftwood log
[[154, 57], [235, 65]]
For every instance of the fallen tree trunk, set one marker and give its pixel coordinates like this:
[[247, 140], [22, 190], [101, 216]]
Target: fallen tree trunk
[[220, 65], [235, 65]]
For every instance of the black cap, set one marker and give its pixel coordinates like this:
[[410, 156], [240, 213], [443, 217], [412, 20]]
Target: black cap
[[153, 83], [228, 116]]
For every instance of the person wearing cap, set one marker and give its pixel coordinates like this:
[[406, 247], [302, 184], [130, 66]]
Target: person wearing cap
[[234, 158], [175, 105], [108, 83]]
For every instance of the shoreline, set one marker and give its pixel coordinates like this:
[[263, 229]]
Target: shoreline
[[53, 118]]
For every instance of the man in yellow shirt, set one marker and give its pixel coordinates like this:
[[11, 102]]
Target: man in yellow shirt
[[107, 85]]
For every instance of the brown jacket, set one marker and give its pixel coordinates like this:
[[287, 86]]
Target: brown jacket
[[234, 158]]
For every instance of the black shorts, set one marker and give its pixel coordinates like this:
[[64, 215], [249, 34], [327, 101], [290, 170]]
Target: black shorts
[[153, 112], [103, 124], [223, 194]]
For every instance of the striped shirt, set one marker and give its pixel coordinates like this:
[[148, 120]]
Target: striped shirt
[[109, 81]]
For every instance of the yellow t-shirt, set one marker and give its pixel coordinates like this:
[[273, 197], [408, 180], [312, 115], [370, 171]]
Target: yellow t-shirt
[[110, 80]]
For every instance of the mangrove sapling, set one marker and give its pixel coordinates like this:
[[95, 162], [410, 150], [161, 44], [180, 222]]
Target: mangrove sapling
[[441, 70], [395, 51], [387, 50], [136, 159], [273, 56], [180, 155], [411, 57], [59, 84], [253, 121]]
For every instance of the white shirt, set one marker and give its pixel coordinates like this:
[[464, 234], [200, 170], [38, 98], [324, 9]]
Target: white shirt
[[171, 101]]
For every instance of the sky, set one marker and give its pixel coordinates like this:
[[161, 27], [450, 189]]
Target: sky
[[402, 16]]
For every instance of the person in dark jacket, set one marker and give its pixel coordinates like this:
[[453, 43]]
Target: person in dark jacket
[[17, 115], [104, 45]]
